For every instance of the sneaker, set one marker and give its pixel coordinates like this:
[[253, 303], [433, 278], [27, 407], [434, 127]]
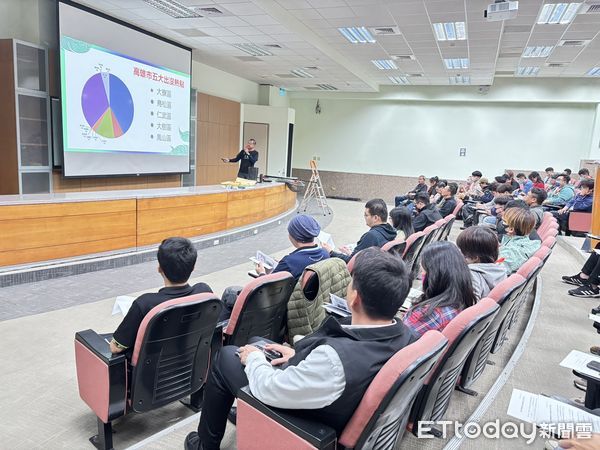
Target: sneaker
[[575, 280], [586, 292], [192, 442]]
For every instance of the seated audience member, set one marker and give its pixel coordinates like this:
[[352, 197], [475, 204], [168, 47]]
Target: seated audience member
[[479, 245], [548, 181], [470, 211], [534, 199], [495, 216], [588, 280], [582, 202], [401, 220], [176, 260], [537, 181], [525, 184], [510, 180], [568, 172], [426, 213], [447, 289], [410, 195], [448, 202], [562, 194], [584, 174], [516, 247], [379, 233], [501, 226], [321, 376], [471, 188], [433, 181], [302, 231]]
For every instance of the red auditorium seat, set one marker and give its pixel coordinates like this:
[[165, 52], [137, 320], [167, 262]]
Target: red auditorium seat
[[414, 243], [459, 206], [173, 346], [449, 219], [545, 250], [549, 242], [261, 310], [529, 270], [379, 421], [463, 334], [395, 247]]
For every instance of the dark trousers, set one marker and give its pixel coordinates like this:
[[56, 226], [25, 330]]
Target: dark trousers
[[592, 267], [563, 221], [226, 377], [401, 200], [469, 215]]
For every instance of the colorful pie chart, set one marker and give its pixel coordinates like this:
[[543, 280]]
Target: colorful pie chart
[[107, 105]]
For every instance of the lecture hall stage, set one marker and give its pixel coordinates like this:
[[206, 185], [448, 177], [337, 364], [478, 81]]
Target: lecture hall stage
[[42, 227]]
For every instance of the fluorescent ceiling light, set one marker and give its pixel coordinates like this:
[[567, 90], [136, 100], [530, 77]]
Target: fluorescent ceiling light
[[460, 79], [173, 9], [594, 72], [553, 13], [327, 87], [357, 35], [529, 71], [301, 73], [253, 49], [456, 63], [384, 64], [537, 51], [399, 80], [450, 31]]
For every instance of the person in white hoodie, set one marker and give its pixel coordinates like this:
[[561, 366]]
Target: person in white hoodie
[[479, 245]]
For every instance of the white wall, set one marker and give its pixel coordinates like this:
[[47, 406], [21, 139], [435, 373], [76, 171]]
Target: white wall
[[277, 117], [210, 80], [405, 138]]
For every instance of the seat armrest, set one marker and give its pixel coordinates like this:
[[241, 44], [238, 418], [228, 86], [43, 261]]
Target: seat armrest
[[99, 347], [587, 377], [314, 433]]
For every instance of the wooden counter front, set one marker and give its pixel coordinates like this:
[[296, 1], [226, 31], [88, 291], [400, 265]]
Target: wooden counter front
[[44, 231]]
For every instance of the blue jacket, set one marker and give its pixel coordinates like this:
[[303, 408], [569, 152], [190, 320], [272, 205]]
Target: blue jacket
[[581, 203], [296, 262], [527, 186]]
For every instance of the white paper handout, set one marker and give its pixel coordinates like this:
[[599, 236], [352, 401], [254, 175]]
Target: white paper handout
[[325, 238], [578, 361], [122, 304], [594, 317], [338, 306], [549, 412], [268, 262]]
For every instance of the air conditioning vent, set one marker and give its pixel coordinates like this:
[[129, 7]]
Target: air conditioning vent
[[385, 31], [414, 75], [574, 43], [403, 57], [174, 9], [273, 45], [327, 87], [555, 65], [312, 88], [311, 68], [593, 9], [211, 11]]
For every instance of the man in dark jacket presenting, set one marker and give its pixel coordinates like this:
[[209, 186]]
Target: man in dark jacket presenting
[[380, 232], [248, 157], [427, 213]]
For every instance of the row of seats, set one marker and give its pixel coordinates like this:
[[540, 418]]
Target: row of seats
[[176, 340], [418, 382]]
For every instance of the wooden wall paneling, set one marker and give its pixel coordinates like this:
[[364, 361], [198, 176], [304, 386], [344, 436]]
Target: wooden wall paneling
[[202, 107], [189, 216], [9, 163], [51, 231], [202, 144], [245, 207]]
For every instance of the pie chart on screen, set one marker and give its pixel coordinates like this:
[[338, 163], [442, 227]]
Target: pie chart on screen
[[107, 105]]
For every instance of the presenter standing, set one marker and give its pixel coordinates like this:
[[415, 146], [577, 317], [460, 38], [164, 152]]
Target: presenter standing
[[248, 157]]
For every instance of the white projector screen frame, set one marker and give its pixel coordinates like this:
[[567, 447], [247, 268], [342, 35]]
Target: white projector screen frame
[[107, 148]]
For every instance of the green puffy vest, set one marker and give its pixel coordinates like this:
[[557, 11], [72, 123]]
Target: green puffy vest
[[304, 316]]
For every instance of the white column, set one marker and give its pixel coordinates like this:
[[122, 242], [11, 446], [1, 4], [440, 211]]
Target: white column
[[595, 144]]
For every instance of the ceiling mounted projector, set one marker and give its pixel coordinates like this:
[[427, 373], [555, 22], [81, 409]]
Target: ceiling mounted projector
[[501, 10]]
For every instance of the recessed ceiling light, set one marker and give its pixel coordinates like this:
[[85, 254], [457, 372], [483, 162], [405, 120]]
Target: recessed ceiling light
[[594, 72], [253, 49], [553, 13], [456, 63], [460, 79], [529, 71], [384, 64], [173, 9], [357, 35], [537, 51], [301, 73], [398, 80], [450, 31]]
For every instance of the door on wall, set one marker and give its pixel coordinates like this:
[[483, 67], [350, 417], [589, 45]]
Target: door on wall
[[260, 133]]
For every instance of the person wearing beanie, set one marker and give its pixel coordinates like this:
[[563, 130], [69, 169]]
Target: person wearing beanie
[[302, 231]]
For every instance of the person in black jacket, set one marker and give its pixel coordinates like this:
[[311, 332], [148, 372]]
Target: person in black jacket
[[427, 213], [380, 231], [248, 157], [405, 199], [448, 203]]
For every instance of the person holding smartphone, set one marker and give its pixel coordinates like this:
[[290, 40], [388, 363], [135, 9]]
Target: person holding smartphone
[[248, 156]]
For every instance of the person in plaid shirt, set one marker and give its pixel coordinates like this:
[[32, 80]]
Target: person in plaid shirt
[[447, 289]]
